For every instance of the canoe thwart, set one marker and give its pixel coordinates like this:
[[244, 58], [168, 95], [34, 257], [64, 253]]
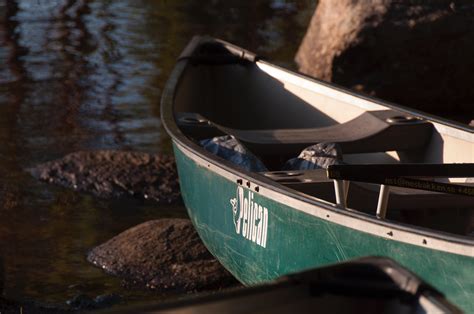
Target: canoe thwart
[[372, 131]]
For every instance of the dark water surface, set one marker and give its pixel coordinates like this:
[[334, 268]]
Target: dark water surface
[[86, 75]]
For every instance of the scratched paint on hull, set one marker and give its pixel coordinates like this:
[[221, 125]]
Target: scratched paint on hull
[[297, 241]]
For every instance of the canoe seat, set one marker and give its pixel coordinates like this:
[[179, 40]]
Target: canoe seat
[[372, 131], [439, 211], [363, 195]]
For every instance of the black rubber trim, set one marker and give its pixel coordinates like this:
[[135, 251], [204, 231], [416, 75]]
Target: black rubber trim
[[209, 51]]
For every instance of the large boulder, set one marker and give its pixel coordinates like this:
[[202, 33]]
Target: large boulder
[[163, 255], [414, 53], [115, 174]]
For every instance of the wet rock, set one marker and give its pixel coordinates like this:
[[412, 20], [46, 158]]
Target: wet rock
[[115, 174], [83, 302], [107, 300], [14, 307], [415, 53], [164, 255]]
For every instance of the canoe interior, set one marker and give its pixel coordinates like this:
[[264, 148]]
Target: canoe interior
[[246, 97], [259, 96]]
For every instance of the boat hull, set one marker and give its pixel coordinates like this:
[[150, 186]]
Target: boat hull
[[272, 238]]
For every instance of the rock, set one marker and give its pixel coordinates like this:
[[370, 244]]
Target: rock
[[115, 174], [14, 307], [83, 302], [164, 255], [107, 300], [414, 53]]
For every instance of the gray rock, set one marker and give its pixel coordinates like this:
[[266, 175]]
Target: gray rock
[[415, 53], [115, 174], [162, 255]]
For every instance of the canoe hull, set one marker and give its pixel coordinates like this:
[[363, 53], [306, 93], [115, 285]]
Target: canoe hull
[[258, 238]]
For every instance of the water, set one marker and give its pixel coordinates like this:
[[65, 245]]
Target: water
[[86, 75]]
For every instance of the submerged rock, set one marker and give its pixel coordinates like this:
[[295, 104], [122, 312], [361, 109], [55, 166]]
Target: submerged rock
[[163, 255], [115, 174], [415, 53], [107, 300], [82, 302], [14, 307]]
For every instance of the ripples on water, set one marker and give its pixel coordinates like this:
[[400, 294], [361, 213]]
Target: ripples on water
[[81, 75]]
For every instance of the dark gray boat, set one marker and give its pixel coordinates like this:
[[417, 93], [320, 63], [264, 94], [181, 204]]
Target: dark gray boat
[[367, 285]]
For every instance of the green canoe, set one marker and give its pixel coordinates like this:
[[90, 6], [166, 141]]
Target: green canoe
[[398, 189]]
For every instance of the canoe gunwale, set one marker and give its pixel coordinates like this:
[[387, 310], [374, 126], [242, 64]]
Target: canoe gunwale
[[395, 231]]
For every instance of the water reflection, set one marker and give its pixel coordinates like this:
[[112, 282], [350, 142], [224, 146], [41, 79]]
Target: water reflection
[[88, 74]]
